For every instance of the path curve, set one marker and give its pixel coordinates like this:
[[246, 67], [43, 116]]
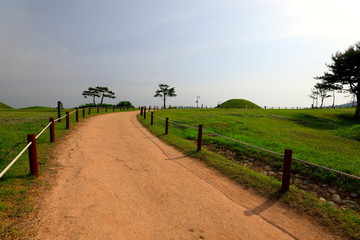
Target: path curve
[[115, 180]]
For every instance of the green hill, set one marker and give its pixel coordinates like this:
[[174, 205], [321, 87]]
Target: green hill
[[4, 106], [238, 103]]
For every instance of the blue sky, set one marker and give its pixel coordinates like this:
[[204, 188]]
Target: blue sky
[[266, 51]]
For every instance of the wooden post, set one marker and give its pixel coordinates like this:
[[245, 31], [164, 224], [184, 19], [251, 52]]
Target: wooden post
[[52, 130], [33, 160], [89, 110], [166, 126], [144, 112], [105, 109], [98, 109], [113, 108], [199, 140], [67, 120], [59, 107], [152, 118], [141, 111], [77, 115], [83, 112], [286, 170]]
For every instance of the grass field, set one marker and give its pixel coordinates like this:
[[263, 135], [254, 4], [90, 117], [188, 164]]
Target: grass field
[[319, 136], [16, 184], [328, 137]]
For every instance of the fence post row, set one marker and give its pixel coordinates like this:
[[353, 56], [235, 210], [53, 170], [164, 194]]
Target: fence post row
[[52, 130], [166, 126], [67, 120], [33, 160], [199, 140], [286, 170]]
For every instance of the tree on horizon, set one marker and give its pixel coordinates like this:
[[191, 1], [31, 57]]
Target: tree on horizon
[[344, 72], [102, 92], [91, 92], [164, 92]]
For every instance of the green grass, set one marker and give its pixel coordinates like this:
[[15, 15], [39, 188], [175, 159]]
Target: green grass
[[321, 136], [16, 184], [239, 103], [274, 130], [4, 106]]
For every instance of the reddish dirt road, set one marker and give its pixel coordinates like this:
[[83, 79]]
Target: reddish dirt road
[[117, 181]]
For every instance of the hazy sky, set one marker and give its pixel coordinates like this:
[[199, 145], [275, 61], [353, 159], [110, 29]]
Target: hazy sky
[[266, 51]]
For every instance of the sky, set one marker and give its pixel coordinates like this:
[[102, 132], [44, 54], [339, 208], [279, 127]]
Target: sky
[[265, 51]]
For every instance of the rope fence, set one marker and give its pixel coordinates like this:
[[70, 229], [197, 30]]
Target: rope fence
[[287, 153], [31, 146], [37, 136]]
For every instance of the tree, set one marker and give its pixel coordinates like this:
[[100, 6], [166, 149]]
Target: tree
[[91, 92], [126, 104], [322, 90], [345, 70], [164, 92], [102, 92], [105, 93], [314, 96]]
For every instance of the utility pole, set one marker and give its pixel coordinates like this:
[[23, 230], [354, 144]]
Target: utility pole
[[197, 101]]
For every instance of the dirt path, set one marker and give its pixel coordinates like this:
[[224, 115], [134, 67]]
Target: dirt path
[[117, 181]]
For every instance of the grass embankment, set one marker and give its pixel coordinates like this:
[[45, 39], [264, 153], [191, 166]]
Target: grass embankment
[[314, 135], [239, 103], [16, 184]]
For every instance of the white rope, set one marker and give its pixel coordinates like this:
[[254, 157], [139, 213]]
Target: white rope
[[184, 125], [328, 169], [159, 117], [72, 112], [268, 151], [59, 118], [15, 159], [43, 130], [249, 145]]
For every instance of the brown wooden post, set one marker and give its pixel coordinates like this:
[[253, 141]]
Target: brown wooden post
[[286, 170], [77, 115], [89, 110], [199, 140], [152, 118], [141, 111], [52, 130], [113, 108], [33, 160], [149, 108], [67, 120], [105, 109], [83, 112], [144, 112], [98, 109], [166, 126]]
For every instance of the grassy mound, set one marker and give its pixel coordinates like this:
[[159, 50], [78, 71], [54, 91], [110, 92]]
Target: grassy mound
[[238, 103], [4, 106]]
